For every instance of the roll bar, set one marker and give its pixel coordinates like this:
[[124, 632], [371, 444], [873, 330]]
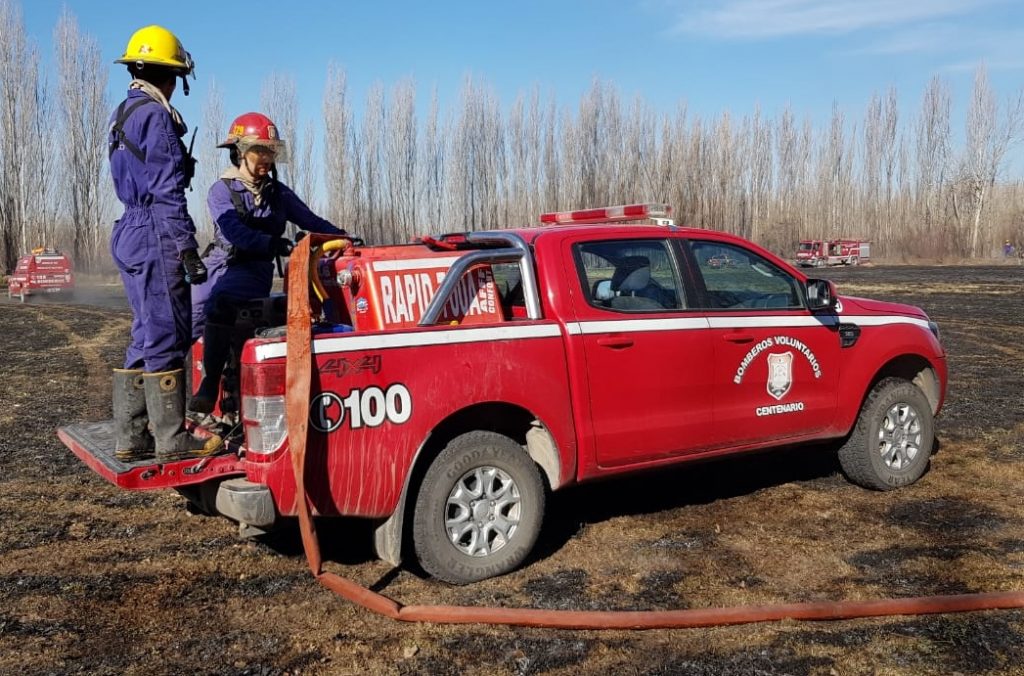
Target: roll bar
[[515, 250]]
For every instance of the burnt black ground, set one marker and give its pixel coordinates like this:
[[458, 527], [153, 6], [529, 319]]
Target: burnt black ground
[[97, 580]]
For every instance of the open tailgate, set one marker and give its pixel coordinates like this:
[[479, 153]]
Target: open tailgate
[[93, 443]]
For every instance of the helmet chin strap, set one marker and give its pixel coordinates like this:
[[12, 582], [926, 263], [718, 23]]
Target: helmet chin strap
[[249, 169], [184, 84]]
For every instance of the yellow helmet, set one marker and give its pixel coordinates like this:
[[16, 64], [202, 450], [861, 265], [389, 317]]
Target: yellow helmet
[[158, 46]]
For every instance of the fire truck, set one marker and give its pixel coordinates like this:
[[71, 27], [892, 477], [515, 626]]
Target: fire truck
[[44, 270], [453, 383], [819, 253]]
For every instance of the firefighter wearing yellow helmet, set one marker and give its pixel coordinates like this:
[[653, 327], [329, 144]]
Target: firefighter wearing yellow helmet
[[154, 247], [159, 47]]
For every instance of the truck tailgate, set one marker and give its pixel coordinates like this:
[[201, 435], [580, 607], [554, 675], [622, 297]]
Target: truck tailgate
[[93, 443]]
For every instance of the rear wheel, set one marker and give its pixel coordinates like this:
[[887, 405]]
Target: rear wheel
[[891, 444], [479, 509]]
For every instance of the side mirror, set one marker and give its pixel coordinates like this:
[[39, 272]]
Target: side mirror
[[603, 290], [821, 295]]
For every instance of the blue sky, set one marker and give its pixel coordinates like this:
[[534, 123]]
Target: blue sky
[[715, 54]]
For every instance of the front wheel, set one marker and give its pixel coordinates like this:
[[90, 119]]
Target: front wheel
[[891, 444], [479, 509]]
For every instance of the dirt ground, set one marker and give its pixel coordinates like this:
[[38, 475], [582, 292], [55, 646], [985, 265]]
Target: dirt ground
[[98, 580]]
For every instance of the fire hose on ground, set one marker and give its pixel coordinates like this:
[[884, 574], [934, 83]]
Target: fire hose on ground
[[299, 377]]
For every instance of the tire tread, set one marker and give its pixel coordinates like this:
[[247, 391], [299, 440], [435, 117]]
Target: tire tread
[[423, 542], [855, 455]]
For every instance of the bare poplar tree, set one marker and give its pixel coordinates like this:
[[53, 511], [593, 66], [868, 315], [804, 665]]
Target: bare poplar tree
[[519, 153], [373, 177], [477, 159], [42, 165], [989, 136], [337, 155], [431, 167], [552, 196], [399, 157], [889, 148], [933, 153], [211, 160], [761, 174], [280, 103], [19, 79], [305, 175], [82, 78]]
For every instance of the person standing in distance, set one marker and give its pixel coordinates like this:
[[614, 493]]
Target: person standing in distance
[[154, 248]]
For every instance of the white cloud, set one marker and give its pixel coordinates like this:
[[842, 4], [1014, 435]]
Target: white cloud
[[968, 46], [758, 19], [918, 39]]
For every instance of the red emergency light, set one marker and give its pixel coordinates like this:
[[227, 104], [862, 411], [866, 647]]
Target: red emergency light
[[619, 214]]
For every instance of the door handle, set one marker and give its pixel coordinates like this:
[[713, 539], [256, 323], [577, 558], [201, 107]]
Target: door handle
[[615, 342], [738, 337]]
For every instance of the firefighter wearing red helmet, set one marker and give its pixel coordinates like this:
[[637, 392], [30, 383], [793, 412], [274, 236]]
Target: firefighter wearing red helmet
[[250, 209]]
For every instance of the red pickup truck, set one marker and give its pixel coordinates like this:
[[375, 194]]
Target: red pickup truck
[[457, 381], [44, 270]]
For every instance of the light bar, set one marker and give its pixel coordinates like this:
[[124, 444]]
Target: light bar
[[626, 212]]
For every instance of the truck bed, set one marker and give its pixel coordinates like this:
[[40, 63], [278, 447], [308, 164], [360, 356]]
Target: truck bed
[[93, 443]]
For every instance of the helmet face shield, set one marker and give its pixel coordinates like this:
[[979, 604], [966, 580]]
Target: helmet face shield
[[267, 150]]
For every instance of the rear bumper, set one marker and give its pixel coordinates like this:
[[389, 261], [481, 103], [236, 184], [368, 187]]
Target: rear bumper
[[247, 503]]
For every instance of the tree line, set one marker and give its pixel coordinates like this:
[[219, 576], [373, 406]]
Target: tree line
[[911, 183]]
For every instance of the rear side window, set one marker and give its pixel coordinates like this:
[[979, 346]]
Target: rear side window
[[737, 279], [629, 275]]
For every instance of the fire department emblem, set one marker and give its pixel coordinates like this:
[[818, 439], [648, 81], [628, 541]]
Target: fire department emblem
[[780, 374]]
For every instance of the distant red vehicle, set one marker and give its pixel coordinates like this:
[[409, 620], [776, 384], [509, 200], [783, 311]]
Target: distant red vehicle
[[44, 270], [818, 253], [722, 260]]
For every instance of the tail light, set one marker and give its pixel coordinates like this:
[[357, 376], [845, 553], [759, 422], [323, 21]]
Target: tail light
[[263, 406]]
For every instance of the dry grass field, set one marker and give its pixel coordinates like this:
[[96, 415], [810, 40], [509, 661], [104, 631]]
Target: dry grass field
[[98, 580]]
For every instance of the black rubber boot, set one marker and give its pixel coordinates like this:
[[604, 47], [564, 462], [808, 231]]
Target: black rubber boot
[[216, 347], [165, 401], [132, 440]]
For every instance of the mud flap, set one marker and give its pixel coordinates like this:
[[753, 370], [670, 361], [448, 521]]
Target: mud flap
[[93, 443]]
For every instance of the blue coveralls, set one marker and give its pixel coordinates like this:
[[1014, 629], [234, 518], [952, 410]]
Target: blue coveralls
[[148, 239], [249, 272]]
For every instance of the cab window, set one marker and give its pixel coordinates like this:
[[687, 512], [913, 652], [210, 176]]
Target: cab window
[[629, 275], [735, 278], [509, 284]]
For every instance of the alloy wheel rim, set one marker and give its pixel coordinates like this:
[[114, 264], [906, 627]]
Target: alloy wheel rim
[[483, 511], [899, 436]]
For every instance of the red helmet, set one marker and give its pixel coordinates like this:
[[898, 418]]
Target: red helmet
[[253, 129]]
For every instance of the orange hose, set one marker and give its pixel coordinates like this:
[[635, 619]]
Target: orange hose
[[299, 370]]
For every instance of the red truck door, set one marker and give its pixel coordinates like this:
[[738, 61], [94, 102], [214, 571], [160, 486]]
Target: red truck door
[[648, 362], [776, 364]]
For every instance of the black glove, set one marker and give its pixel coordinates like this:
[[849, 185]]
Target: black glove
[[280, 246], [195, 268]]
